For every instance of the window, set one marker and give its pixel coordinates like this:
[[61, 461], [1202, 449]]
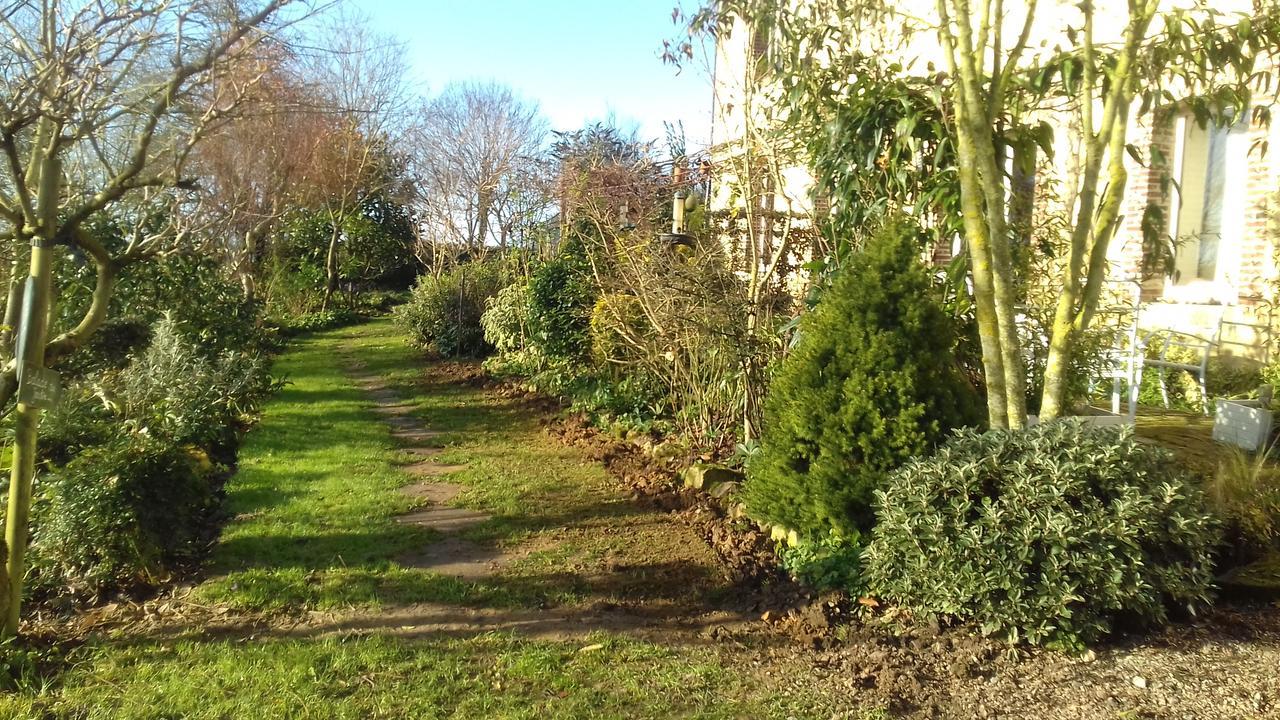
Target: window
[[1211, 166]]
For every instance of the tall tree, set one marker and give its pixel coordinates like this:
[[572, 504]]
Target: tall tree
[[256, 167], [358, 77]]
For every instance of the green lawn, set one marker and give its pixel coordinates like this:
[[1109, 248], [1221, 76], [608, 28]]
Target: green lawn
[[314, 505]]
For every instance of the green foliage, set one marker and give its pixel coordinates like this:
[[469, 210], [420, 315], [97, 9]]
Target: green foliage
[[123, 514], [1233, 377], [443, 314], [173, 391], [506, 318], [109, 347], [207, 309], [377, 243], [1050, 534], [28, 665], [1226, 377], [1087, 363], [1245, 494], [127, 495], [831, 562], [375, 247], [317, 320], [561, 296], [871, 383], [882, 145]]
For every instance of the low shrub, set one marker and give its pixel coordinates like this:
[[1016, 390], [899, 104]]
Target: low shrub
[[871, 383], [1051, 534], [172, 391], [1245, 494], [119, 515], [110, 347], [833, 562], [443, 313], [1232, 377], [80, 420], [1225, 377], [316, 321], [616, 320]]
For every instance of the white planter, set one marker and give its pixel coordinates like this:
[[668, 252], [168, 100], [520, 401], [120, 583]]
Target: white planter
[[1243, 423]]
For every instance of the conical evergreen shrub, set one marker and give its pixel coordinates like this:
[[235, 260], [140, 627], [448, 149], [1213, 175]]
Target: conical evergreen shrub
[[871, 383]]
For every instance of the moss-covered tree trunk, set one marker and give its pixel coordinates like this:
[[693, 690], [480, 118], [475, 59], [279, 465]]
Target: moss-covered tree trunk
[[331, 260], [979, 104], [1097, 218], [46, 175]]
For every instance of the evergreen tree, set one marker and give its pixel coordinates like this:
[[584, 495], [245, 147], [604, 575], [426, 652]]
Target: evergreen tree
[[871, 383]]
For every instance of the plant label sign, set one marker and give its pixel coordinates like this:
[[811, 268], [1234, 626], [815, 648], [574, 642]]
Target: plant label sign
[[39, 387]]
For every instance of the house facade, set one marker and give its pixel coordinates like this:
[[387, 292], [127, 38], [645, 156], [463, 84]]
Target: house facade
[[1214, 188]]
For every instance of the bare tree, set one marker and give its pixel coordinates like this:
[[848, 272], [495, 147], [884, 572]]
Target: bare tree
[[476, 149], [359, 79], [101, 105], [256, 166]]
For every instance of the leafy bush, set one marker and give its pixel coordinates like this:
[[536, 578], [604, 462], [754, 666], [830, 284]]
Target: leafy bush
[[208, 309], [443, 314], [317, 321], [375, 248], [110, 347], [119, 515], [561, 296], [1226, 377], [506, 318], [829, 563], [174, 392], [1087, 362], [1233, 377], [615, 318], [1049, 534], [79, 421], [871, 383]]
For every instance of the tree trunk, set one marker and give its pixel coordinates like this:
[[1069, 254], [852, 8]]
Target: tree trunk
[[1086, 268], [984, 296], [32, 337], [331, 265]]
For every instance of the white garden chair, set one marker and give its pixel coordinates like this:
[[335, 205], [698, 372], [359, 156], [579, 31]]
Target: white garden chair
[[1190, 352]]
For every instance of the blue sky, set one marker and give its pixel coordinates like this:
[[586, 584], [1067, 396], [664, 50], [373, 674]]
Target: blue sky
[[580, 60]]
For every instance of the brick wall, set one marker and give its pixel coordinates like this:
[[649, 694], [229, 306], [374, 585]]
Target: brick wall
[[1257, 263], [1146, 186]]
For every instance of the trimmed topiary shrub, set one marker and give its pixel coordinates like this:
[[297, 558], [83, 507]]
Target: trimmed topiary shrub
[[1050, 534], [443, 314], [871, 383]]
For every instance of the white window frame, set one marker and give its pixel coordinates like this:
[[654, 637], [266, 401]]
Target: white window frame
[[1221, 288]]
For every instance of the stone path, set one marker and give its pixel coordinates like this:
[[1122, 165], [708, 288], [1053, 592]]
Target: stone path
[[449, 555]]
